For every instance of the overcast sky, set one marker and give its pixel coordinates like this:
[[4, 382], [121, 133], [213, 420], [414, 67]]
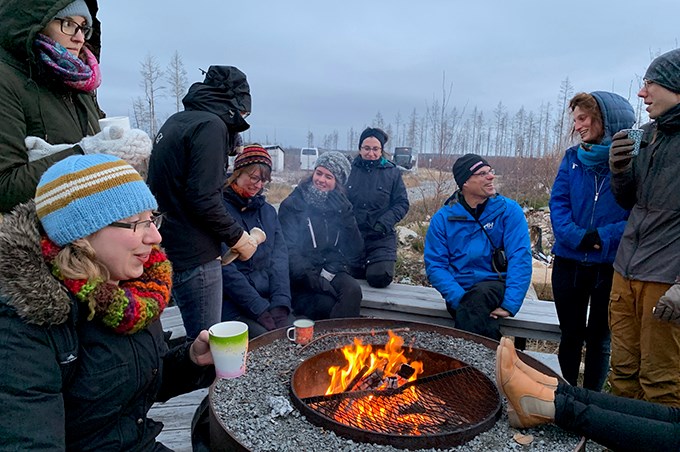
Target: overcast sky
[[332, 65]]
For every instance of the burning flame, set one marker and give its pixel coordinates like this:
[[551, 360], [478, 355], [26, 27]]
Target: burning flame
[[362, 361]]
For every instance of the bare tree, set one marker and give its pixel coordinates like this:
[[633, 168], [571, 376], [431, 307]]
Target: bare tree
[[310, 139], [443, 120], [177, 79], [566, 91], [140, 118], [152, 74]]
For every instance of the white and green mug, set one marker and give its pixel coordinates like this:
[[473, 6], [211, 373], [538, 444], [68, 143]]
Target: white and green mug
[[229, 347]]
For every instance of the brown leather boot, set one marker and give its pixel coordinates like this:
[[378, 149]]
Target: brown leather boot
[[534, 374], [529, 403]]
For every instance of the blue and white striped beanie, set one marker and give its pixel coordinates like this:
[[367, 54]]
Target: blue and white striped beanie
[[84, 193]]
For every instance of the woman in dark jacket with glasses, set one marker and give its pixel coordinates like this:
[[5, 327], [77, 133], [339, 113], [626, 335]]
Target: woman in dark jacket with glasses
[[39, 96], [380, 201]]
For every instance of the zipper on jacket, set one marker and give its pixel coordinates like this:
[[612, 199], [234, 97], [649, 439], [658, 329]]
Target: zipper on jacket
[[595, 199], [311, 231]]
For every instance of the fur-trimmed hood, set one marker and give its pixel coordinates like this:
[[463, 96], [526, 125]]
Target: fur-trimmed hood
[[26, 282]]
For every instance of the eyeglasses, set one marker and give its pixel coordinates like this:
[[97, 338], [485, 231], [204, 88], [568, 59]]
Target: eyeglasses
[[369, 149], [257, 179], [646, 83], [485, 173], [156, 220], [71, 28]]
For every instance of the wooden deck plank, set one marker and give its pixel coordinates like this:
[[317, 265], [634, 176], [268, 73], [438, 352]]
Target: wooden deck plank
[[176, 415]]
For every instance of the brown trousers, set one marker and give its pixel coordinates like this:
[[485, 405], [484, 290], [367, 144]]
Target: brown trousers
[[645, 351]]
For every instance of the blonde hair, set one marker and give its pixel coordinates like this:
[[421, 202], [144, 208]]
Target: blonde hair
[[78, 260]]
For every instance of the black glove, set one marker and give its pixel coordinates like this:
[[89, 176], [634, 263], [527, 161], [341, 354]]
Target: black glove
[[266, 320], [668, 306], [280, 316], [319, 284], [337, 202], [620, 158], [589, 240], [380, 228]]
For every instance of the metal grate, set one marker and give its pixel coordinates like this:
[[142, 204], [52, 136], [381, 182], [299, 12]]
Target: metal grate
[[447, 402]]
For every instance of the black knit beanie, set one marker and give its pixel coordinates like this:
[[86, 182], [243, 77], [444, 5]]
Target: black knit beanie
[[379, 134], [466, 166], [665, 70]]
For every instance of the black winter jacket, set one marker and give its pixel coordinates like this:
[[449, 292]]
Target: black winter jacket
[[249, 288], [317, 238], [650, 245], [187, 171], [378, 194], [69, 383]]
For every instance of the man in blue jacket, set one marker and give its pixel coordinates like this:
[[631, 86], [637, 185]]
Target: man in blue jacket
[[477, 251]]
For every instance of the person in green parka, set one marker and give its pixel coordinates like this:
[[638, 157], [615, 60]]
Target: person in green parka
[[49, 72]]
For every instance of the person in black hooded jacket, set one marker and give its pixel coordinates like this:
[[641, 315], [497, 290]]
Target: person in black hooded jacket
[[323, 242], [380, 201], [187, 171]]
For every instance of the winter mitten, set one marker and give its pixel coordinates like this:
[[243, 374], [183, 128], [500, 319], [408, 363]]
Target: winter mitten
[[620, 158], [266, 320], [245, 247], [39, 148], [589, 240], [280, 316], [668, 306]]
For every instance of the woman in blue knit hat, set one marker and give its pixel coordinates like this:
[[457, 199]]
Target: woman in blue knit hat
[[83, 283], [380, 201]]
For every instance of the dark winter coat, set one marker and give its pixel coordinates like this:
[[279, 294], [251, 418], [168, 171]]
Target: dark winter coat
[[378, 194], [650, 245], [262, 282], [187, 171], [34, 105], [581, 198], [68, 383], [317, 238]]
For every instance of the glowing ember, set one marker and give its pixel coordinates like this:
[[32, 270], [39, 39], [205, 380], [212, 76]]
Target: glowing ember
[[377, 370]]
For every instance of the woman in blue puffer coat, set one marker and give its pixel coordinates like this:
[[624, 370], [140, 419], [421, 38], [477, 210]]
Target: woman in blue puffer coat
[[256, 291], [588, 225]]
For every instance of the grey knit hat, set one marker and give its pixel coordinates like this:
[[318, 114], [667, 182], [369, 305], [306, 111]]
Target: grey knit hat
[[336, 163], [665, 70], [76, 8]]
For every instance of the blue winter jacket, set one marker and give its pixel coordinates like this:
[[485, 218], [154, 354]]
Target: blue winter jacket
[[581, 197], [458, 253], [249, 288]]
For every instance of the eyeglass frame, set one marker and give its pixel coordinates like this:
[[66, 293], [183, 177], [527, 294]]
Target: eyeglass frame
[[646, 83], [369, 149], [156, 219], [86, 29], [485, 173]]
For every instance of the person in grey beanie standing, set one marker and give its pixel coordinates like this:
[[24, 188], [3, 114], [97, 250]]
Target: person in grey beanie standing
[[645, 291], [380, 201], [323, 241]]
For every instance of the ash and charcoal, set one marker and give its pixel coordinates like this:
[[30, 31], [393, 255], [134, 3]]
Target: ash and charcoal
[[243, 404]]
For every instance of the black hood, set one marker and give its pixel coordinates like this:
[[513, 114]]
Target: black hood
[[224, 92]]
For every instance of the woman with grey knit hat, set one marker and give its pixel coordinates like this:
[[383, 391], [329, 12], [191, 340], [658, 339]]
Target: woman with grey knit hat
[[323, 242], [378, 194]]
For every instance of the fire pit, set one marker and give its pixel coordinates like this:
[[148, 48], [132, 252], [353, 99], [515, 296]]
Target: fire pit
[[446, 405], [242, 417]]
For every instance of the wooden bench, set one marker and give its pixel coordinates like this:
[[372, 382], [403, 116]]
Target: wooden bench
[[535, 320]]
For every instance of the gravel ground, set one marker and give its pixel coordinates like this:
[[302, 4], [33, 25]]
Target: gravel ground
[[243, 405]]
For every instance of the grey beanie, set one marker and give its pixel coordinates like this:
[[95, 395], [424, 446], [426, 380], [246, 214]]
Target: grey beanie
[[336, 163], [76, 8], [665, 70]]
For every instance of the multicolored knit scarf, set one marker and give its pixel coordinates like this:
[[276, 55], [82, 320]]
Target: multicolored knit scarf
[[127, 307], [82, 76]]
